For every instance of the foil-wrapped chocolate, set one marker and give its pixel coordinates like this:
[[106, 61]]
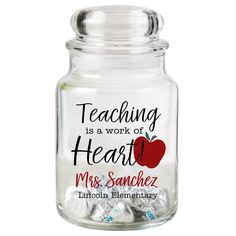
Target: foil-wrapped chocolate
[[139, 202], [111, 194], [99, 213], [122, 213], [160, 204], [77, 205]]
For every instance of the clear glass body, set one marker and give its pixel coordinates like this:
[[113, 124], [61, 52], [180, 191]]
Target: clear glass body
[[116, 136]]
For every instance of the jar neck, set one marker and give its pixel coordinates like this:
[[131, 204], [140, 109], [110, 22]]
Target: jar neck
[[81, 62]]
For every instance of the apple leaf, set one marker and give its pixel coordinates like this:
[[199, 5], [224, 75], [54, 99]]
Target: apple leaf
[[147, 136], [153, 137]]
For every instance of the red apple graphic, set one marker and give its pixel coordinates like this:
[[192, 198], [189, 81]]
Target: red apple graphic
[[148, 152]]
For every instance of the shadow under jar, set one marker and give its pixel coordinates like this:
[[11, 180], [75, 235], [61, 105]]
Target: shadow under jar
[[116, 157]]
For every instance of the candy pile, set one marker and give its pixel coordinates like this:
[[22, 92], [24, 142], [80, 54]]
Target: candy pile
[[117, 204]]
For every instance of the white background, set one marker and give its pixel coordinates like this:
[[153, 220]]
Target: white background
[[201, 58]]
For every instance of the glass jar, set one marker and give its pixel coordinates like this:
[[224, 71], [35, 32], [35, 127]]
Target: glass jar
[[116, 161]]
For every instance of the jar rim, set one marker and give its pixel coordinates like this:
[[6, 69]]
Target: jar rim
[[89, 46]]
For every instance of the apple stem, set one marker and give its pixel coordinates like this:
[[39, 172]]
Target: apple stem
[[153, 137]]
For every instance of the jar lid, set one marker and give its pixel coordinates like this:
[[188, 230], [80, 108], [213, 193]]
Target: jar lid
[[116, 28]]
